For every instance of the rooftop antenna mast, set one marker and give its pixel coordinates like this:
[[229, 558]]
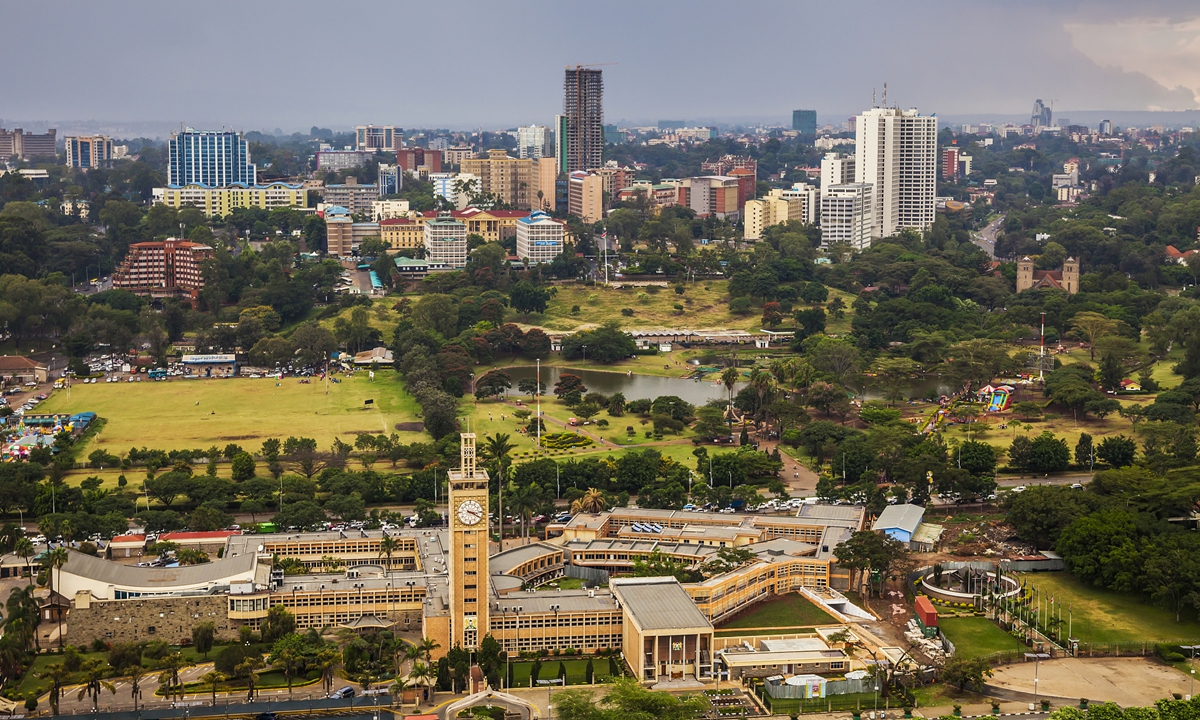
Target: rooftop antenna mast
[[885, 94], [873, 103]]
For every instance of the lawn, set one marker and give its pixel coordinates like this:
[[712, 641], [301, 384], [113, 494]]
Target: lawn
[[791, 610], [976, 636], [576, 670], [33, 682], [705, 306], [200, 413], [1106, 616]]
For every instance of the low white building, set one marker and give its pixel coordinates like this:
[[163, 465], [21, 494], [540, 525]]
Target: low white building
[[107, 580], [446, 241], [539, 238]]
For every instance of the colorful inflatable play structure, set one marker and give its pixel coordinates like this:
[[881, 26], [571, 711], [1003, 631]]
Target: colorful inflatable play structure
[[21, 434], [997, 398]]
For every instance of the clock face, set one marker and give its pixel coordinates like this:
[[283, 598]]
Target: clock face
[[470, 512]]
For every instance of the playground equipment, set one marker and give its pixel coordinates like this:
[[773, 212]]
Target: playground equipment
[[997, 398]]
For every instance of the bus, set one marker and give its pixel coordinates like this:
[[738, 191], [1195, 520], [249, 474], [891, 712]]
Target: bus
[[266, 527]]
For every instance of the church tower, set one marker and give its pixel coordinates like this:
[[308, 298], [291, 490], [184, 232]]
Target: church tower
[[469, 576], [1070, 275], [1024, 274]]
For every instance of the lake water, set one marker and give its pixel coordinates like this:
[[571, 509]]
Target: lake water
[[634, 387]]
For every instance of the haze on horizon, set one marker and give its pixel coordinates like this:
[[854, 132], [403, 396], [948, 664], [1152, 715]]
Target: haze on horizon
[[479, 63]]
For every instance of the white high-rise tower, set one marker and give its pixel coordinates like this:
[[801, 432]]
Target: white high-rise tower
[[896, 151]]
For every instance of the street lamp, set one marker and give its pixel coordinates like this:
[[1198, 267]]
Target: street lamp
[[1037, 661], [1191, 668]]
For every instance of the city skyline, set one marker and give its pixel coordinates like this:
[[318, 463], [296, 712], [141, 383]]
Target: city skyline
[[1082, 55]]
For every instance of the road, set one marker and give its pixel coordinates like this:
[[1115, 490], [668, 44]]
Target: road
[[1068, 479], [986, 238]]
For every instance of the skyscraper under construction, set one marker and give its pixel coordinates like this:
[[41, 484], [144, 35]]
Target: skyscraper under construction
[[583, 107]]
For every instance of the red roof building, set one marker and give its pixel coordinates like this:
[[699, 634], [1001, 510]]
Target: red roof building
[[166, 268]]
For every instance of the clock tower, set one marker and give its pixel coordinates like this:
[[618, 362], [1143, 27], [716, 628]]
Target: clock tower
[[469, 575]]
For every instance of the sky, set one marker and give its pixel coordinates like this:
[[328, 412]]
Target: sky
[[465, 64]]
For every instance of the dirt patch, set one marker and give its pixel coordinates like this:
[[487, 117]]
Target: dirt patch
[[239, 437], [411, 427], [1126, 681]]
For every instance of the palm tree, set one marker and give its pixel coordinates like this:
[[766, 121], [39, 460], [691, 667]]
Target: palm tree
[[170, 666], [94, 672], [398, 688], [58, 676], [23, 616], [250, 667], [214, 678], [760, 380], [135, 673], [524, 502], [328, 658], [497, 447], [428, 645], [55, 559], [291, 662], [387, 546], [24, 548], [592, 501], [422, 674], [412, 654], [616, 404], [729, 378]]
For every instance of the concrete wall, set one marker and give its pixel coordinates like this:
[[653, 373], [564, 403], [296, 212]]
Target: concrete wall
[[129, 620]]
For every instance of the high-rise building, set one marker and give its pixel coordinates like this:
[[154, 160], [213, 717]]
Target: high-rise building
[[896, 152], [446, 244], [585, 196], [836, 169], [88, 151], [806, 195], [583, 106], [542, 189], [846, 215], [507, 178], [560, 143], [166, 268], [415, 159], [212, 159], [950, 163], [455, 188], [805, 122], [1106, 127], [391, 180], [26, 145], [539, 238], [533, 141], [713, 195], [339, 232], [376, 138], [1042, 116], [454, 155]]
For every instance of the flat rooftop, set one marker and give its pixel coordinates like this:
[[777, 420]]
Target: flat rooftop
[[659, 603]]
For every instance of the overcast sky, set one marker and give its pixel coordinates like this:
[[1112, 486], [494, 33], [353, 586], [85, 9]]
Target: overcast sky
[[488, 63]]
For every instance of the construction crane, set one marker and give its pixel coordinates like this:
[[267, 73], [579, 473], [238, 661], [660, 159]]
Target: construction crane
[[589, 65]]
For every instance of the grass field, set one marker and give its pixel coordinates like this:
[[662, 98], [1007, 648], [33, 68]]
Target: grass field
[[975, 636], [576, 670], [705, 306], [1106, 616], [791, 610], [201, 413]]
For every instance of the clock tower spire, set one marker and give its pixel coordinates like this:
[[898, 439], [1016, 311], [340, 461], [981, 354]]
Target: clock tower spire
[[469, 527]]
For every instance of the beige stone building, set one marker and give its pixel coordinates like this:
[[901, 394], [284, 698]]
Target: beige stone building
[[508, 178]]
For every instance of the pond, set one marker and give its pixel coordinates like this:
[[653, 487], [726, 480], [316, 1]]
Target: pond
[[634, 387]]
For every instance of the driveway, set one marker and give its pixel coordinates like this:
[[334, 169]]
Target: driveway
[[1131, 681]]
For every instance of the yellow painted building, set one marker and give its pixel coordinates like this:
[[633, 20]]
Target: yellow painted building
[[492, 225], [220, 201]]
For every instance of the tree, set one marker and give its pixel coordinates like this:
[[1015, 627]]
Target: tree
[[1092, 326], [1117, 450], [868, 552], [1111, 372], [1027, 409], [202, 638], [525, 297], [976, 457], [288, 655], [966, 672], [771, 315], [1084, 452], [567, 384], [93, 673], [279, 622], [313, 343], [171, 666], [494, 382], [531, 387], [1047, 453], [242, 466], [214, 679], [58, 676]]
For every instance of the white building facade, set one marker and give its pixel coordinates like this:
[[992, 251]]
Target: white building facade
[[446, 241], [896, 152], [539, 238], [847, 215], [533, 142], [836, 169]]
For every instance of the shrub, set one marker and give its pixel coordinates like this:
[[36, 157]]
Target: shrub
[[627, 312], [574, 309], [564, 440]]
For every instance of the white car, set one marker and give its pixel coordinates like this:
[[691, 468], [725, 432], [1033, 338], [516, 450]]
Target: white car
[[1019, 489]]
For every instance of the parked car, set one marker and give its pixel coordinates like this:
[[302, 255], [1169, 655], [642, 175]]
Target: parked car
[[346, 692]]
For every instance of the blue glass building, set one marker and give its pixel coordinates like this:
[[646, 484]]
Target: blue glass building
[[211, 159]]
